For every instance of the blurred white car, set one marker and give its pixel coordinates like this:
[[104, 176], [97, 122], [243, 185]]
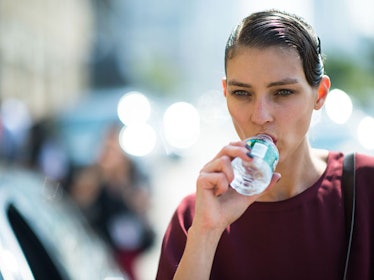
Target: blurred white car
[[43, 235]]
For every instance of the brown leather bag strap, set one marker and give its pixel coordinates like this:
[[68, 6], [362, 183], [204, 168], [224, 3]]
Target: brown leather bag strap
[[349, 197]]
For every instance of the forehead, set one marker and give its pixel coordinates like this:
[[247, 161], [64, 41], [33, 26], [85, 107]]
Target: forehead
[[268, 63]]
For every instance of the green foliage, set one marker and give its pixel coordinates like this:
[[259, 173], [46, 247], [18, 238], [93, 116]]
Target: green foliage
[[159, 74], [353, 75]]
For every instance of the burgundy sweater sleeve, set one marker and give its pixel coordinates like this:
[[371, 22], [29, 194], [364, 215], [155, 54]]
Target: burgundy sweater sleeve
[[175, 239]]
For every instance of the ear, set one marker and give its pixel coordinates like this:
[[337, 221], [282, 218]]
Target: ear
[[224, 86], [323, 90]]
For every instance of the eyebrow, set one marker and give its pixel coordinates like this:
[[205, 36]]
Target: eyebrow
[[286, 81]]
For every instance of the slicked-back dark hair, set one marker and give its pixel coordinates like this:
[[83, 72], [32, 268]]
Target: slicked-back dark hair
[[278, 28]]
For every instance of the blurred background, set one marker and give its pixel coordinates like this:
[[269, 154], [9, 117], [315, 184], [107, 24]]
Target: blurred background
[[74, 72]]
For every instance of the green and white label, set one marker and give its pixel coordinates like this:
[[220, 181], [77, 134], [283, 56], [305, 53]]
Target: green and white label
[[264, 150]]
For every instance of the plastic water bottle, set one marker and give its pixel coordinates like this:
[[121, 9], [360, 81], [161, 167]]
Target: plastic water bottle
[[253, 177]]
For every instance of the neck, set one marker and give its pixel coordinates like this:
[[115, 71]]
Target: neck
[[299, 172]]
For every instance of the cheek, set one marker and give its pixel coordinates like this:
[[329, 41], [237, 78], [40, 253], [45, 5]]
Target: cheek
[[240, 114], [292, 129], [239, 118], [238, 110], [297, 119]]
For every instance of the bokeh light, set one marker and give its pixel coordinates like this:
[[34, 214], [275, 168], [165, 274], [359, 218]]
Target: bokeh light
[[10, 265], [15, 115], [365, 132], [133, 107], [181, 125], [338, 106], [138, 140]]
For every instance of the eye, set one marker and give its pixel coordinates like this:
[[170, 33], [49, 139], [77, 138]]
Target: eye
[[284, 92], [240, 93]]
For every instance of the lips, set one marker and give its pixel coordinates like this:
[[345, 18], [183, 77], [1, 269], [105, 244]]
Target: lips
[[271, 136]]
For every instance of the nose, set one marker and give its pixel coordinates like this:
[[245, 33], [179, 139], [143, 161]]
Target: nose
[[261, 112]]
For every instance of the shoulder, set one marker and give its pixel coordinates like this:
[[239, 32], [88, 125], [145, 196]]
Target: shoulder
[[364, 164], [175, 237], [189, 200], [364, 168], [364, 161], [364, 175], [184, 213], [187, 206], [335, 162]]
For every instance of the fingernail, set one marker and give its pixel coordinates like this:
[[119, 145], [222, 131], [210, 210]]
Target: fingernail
[[250, 155]]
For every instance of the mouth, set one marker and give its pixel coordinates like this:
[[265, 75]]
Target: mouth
[[272, 137]]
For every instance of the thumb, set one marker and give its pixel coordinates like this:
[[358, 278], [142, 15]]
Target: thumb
[[275, 179]]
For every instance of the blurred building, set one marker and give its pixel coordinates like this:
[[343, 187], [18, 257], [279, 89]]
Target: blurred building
[[51, 50], [343, 25], [175, 49], [43, 48]]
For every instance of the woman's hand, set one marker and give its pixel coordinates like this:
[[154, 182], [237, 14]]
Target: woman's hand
[[217, 204]]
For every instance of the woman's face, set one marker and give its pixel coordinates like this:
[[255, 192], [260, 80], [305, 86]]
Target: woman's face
[[267, 92]]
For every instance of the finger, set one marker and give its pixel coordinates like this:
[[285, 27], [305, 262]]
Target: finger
[[237, 143], [221, 164], [234, 149], [276, 177], [274, 180], [217, 181]]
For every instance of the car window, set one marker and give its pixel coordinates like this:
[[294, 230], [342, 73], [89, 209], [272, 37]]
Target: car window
[[52, 231], [39, 260]]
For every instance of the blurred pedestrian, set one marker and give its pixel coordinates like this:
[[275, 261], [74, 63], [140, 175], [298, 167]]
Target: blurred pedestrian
[[115, 196], [46, 153], [8, 147]]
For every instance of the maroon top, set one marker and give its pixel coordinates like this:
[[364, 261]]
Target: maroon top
[[299, 238]]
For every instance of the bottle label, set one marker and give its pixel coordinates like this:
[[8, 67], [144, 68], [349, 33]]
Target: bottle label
[[263, 149]]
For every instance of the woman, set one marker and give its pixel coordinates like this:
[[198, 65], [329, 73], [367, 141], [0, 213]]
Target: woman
[[114, 195], [296, 228]]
